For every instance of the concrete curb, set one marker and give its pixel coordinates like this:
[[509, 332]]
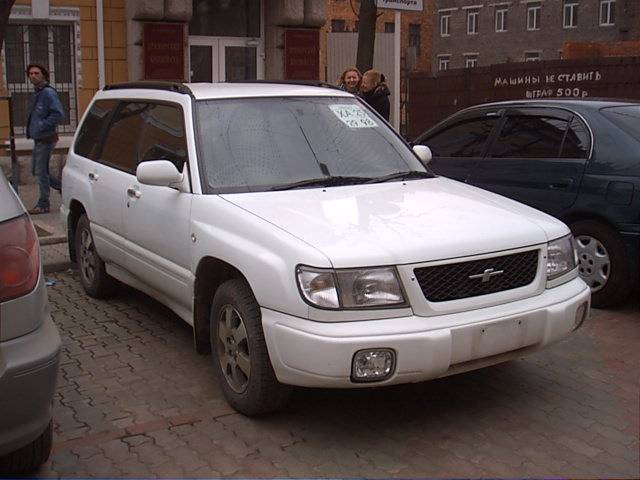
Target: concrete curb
[[53, 240], [57, 267]]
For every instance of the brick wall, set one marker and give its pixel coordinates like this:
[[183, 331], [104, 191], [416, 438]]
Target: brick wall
[[597, 50], [510, 46]]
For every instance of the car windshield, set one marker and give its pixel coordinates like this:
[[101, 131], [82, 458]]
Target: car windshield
[[259, 144], [627, 118]]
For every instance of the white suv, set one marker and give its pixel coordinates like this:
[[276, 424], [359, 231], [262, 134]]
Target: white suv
[[305, 242]]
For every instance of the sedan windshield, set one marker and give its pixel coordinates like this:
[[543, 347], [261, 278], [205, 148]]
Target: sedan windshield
[[259, 144]]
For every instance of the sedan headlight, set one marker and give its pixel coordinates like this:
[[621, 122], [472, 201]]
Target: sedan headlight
[[350, 288], [562, 257]]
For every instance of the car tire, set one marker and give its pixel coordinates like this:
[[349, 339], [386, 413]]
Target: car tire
[[240, 355], [28, 458], [602, 263], [93, 276]]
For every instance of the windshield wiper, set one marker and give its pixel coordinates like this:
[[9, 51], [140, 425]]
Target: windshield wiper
[[412, 175], [334, 181]]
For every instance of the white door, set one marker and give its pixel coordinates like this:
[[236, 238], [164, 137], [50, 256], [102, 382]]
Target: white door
[[213, 59], [156, 219]]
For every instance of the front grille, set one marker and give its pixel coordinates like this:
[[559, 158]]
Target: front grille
[[452, 282]]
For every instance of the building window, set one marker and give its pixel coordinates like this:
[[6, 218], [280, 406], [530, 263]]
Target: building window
[[533, 16], [473, 15], [470, 60], [414, 36], [389, 27], [53, 47], [570, 14], [445, 23], [607, 12], [501, 19], [443, 62], [338, 25], [531, 56]]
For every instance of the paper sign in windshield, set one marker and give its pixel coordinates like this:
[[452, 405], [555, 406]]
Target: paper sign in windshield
[[353, 116]]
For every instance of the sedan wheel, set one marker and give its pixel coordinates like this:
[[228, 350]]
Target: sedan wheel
[[593, 262]]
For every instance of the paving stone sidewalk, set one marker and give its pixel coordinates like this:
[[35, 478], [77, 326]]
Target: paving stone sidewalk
[[134, 399]]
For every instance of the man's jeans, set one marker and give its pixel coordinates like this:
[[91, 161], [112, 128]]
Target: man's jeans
[[40, 170]]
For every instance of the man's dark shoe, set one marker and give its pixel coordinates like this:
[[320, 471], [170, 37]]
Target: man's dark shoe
[[37, 210]]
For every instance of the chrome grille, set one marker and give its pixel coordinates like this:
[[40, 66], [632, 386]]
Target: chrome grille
[[452, 281]]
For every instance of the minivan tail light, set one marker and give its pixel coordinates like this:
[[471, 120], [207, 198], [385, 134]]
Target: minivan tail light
[[19, 258]]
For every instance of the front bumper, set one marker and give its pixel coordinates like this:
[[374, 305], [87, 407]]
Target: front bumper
[[316, 354], [28, 374]]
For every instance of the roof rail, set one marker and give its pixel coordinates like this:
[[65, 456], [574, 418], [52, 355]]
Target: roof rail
[[152, 85], [308, 83]]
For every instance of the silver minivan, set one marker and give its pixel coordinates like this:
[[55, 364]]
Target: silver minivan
[[29, 343]]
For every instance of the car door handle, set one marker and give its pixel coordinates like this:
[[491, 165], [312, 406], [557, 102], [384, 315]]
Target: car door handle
[[134, 192], [93, 176], [560, 185]]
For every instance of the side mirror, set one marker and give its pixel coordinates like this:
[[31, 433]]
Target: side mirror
[[161, 173], [423, 152]]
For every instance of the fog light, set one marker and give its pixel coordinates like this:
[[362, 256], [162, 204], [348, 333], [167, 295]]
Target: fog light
[[373, 365], [581, 315]]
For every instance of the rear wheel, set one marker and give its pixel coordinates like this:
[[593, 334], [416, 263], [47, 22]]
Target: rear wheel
[[93, 275], [240, 353], [30, 457], [602, 263]]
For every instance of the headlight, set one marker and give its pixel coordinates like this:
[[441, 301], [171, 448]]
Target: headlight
[[562, 257], [350, 288]]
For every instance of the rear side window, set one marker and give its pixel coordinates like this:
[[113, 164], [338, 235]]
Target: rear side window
[[120, 148], [93, 128], [163, 136], [530, 136], [576, 142], [465, 139], [627, 118]]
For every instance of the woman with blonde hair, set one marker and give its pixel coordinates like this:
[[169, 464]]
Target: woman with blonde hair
[[375, 92], [350, 80]]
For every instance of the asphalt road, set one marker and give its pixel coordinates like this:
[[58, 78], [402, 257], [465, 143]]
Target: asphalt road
[[134, 399]]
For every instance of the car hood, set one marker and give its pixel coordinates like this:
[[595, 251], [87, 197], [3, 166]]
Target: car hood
[[401, 222]]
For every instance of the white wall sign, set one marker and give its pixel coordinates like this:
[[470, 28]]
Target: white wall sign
[[412, 5]]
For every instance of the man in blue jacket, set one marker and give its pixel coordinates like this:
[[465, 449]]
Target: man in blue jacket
[[45, 113]]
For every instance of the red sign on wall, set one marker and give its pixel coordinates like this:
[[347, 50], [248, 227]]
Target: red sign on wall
[[302, 54], [164, 45]]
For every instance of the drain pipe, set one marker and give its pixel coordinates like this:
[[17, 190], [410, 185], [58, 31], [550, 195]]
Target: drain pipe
[[100, 31]]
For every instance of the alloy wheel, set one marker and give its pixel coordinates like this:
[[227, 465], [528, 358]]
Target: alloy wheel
[[233, 349], [87, 256]]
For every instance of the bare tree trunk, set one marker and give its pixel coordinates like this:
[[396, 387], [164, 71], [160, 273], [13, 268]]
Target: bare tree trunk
[[366, 35], [5, 10]]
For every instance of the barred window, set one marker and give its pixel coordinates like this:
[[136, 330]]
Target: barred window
[[53, 47]]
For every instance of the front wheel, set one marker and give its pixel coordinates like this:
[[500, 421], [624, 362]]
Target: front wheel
[[602, 263], [240, 355]]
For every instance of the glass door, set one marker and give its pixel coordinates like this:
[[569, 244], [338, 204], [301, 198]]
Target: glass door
[[223, 59]]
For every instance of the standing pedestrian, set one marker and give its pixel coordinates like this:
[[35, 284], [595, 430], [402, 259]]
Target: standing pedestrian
[[44, 114], [350, 80], [375, 92]]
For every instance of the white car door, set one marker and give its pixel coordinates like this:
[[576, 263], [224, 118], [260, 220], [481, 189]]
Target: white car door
[[156, 218]]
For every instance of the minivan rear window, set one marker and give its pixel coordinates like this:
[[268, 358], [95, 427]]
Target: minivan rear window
[[627, 118]]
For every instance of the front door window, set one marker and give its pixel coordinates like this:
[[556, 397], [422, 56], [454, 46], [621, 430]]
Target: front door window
[[226, 18]]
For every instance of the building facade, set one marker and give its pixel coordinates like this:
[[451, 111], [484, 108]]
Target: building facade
[[469, 33], [86, 44]]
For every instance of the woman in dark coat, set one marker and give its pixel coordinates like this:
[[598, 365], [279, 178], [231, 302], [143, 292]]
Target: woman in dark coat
[[375, 92]]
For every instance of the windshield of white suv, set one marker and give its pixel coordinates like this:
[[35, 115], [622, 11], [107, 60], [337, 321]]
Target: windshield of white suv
[[259, 144]]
